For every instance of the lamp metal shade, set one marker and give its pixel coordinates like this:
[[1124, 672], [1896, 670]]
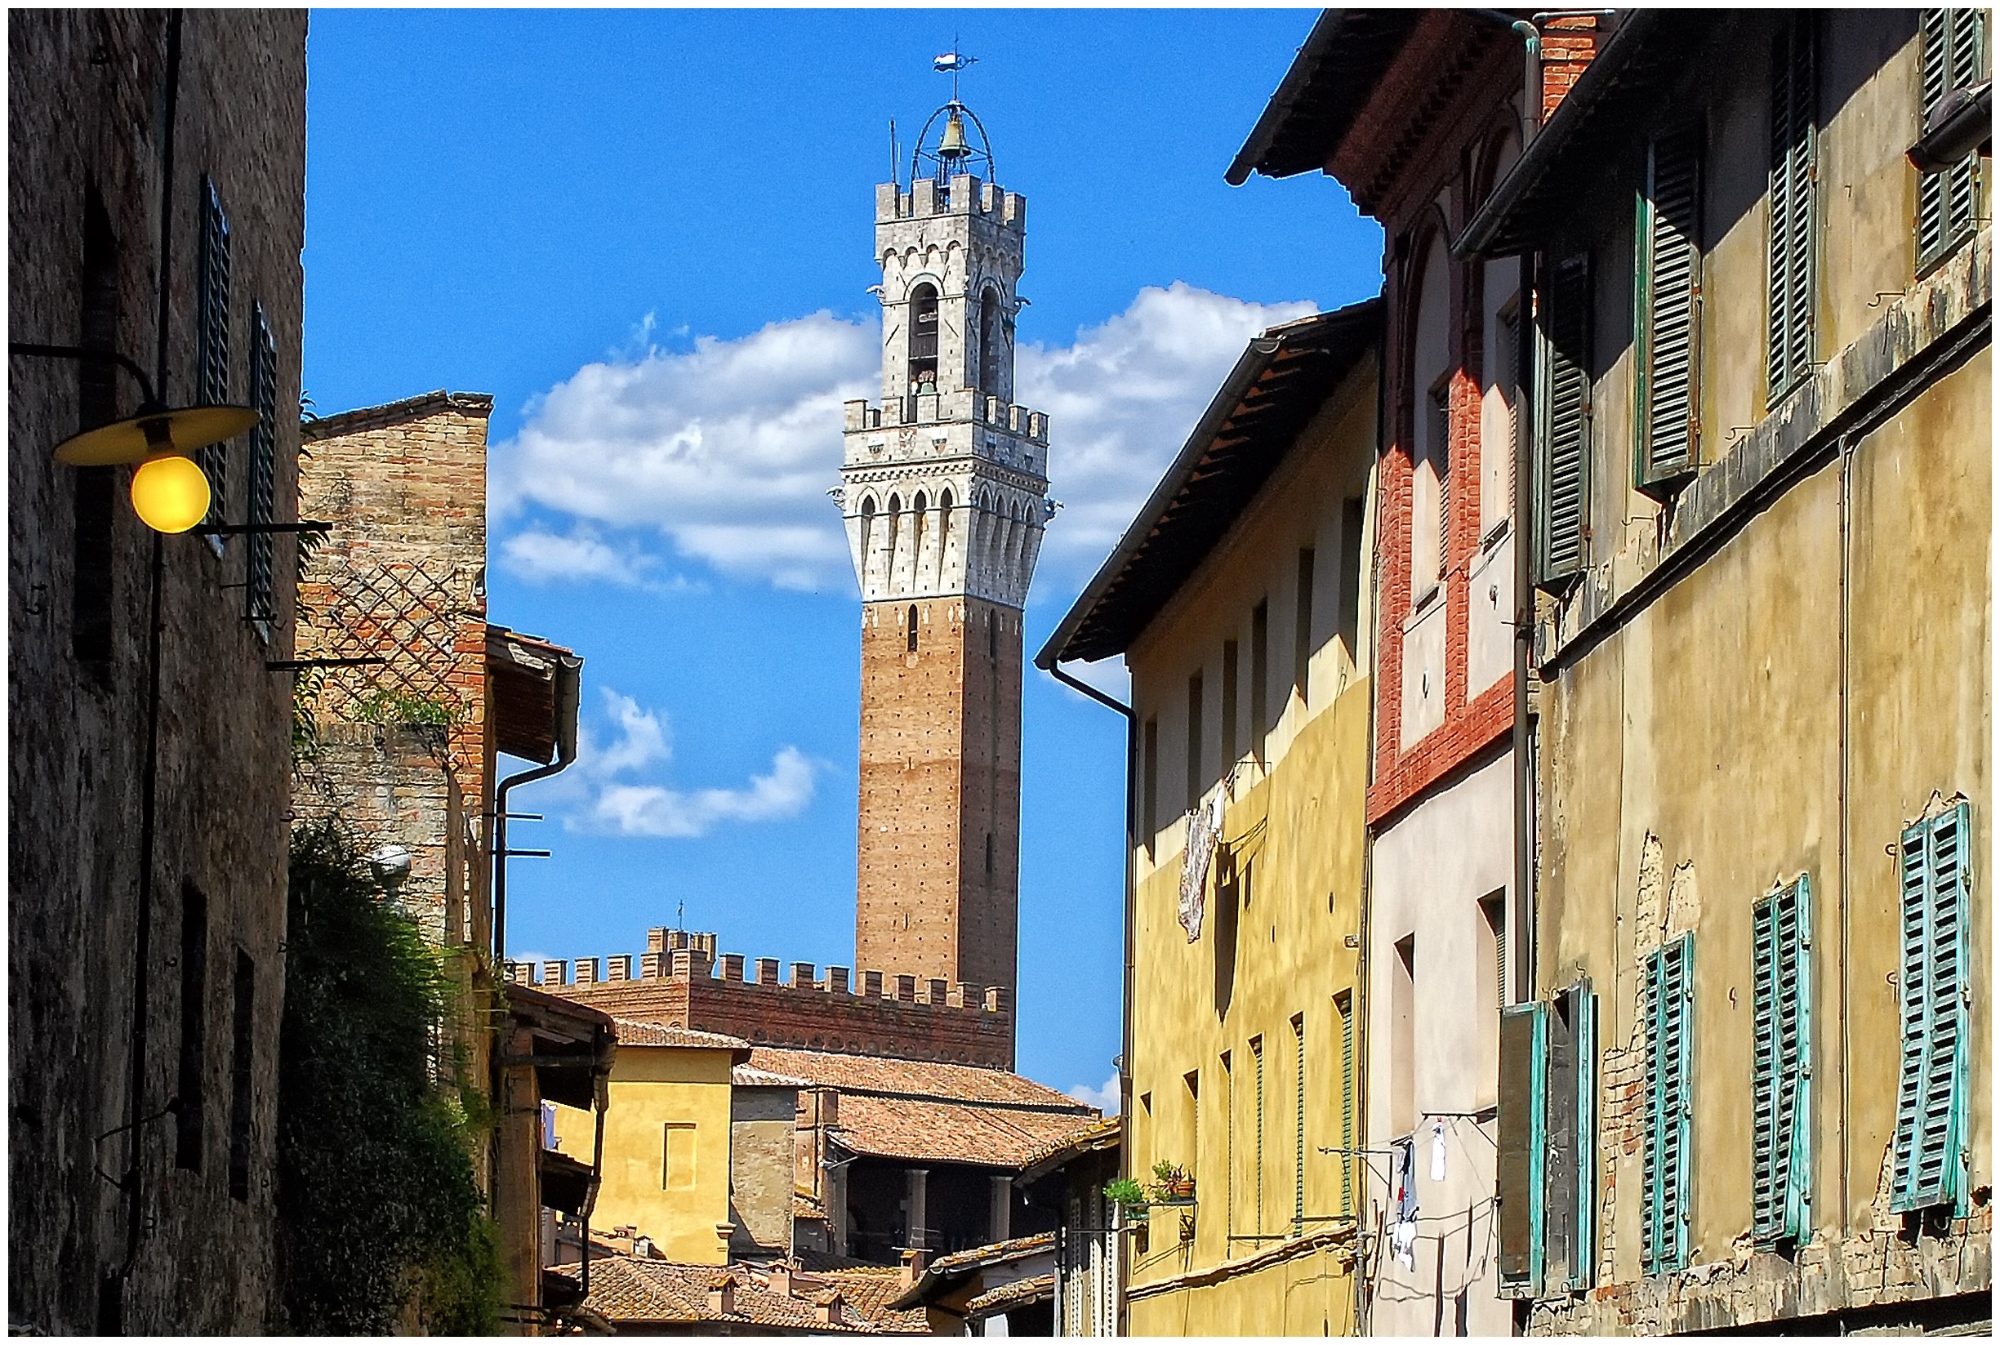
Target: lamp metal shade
[[149, 433]]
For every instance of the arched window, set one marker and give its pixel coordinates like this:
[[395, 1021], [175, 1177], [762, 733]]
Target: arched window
[[923, 338], [867, 533], [992, 639], [913, 628], [919, 528], [944, 531], [989, 343]]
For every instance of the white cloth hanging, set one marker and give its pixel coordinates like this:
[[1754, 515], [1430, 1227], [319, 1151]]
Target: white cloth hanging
[[1204, 829], [1437, 1149]]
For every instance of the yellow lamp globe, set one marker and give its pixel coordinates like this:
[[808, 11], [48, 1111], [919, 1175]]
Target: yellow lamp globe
[[169, 493]]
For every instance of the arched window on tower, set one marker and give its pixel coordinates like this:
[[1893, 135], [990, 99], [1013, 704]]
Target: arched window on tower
[[919, 530], [867, 533], [895, 539], [924, 338], [944, 534], [913, 628], [989, 343]]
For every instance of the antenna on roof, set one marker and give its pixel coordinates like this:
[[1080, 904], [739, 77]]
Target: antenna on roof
[[681, 916]]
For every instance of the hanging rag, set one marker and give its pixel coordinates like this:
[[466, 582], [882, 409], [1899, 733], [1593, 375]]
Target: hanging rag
[[1403, 1237], [1203, 831], [1437, 1150]]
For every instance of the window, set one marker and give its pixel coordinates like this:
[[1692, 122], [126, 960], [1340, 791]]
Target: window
[[1667, 317], [97, 404], [1194, 775], [989, 343], [190, 1091], [1299, 1124], [1490, 990], [1563, 478], [240, 1076], [992, 639], [1260, 677], [1343, 1008], [1931, 1162], [1522, 1148], [677, 1156], [1353, 522], [989, 854], [1302, 647], [1947, 202], [1781, 1069], [1503, 370], [923, 339], [1228, 1143], [1789, 344], [1403, 1037], [263, 501], [1439, 407], [212, 338], [1149, 821], [1257, 1063], [1547, 1160], [1192, 1080], [1669, 1104], [911, 635], [1229, 749]]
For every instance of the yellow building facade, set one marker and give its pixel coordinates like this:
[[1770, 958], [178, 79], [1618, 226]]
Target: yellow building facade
[[1240, 600], [666, 1158]]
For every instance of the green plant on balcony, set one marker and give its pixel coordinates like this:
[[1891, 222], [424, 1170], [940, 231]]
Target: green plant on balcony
[[1171, 1183], [1128, 1196]]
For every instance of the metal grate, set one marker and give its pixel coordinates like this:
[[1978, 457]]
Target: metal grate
[[409, 618]]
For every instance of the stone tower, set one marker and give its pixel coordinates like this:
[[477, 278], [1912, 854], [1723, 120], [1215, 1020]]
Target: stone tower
[[943, 487]]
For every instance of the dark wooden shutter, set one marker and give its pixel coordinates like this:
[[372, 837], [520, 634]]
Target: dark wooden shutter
[[1929, 1157], [1669, 1029], [1521, 1141], [1583, 1019], [1793, 82], [1946, 201], [1565, 419], [1561, 1156], [263, 492], [1670, 310], [1781, 1075], [212, 338]]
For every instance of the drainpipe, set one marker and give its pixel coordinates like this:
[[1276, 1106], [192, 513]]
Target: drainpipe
[[1054, 669], [568, 692], [1524, 634]]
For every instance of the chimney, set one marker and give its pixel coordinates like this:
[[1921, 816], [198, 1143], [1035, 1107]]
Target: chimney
[[914, 1261], [722, 1296], [827, 1308]]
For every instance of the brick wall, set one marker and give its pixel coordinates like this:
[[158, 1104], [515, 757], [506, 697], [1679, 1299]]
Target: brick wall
[[1568, 47], [87, 102], [680, 982], [940, 773]]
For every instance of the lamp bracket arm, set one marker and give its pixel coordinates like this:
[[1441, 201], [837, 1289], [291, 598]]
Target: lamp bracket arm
[[42, 350]]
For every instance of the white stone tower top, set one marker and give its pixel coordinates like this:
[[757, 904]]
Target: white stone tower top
[[944, 485]]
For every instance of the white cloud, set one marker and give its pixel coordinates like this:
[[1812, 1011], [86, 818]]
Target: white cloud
[[644, 739], [1105, 1099], [728, 449]]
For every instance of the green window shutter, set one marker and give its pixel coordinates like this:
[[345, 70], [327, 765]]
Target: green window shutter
[[1563, 481], [1669, 1102], [1781, 1097], [1950, 58], [1791, 261], [212, 337], [1668, 310], [1524, 1034], [1930, 1159]]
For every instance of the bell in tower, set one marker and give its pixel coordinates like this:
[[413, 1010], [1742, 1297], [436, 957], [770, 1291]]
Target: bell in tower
[[944, 489]]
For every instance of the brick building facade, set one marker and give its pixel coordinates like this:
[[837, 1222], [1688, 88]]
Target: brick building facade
[[147, 900]]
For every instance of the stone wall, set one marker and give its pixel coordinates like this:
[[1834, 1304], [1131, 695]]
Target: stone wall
[[761, 1122], [87, 137]]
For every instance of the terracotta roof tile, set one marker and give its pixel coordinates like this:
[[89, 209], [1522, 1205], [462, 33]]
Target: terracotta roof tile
[[633, 1032], [994, 1253], [917, 1078], [1019, 1294], [947, 1132], [630, 1290]]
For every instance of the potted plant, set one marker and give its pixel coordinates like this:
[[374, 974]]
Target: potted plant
[[1129, 1196], [1172, 1181]]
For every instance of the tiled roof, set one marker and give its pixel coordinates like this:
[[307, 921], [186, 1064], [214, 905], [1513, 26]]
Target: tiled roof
[[748, 1076], [913, 1078], [1019, 1294], [1098, 1135], [994, 1253], [983, 1134], [633, 1032], [630, 1290]]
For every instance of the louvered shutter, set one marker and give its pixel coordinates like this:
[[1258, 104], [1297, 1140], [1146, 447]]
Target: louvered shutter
[[1583, 1015], [212, 338], [1669, 1024], [1930, 1158], [1781, 1077], [1521, 1141], [1793, 82], [1562, 1158], [1669, 310], [1299, 1128], [1564, 478], [1345, 1006], [258, 585], [1946, 201]]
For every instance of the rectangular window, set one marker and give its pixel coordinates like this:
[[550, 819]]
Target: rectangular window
[[1260, 677], [1439, 408], [1570, 1138], [1302, 644], [677, 1156], [1789, 347], [212, 338], [263, 492], [1781, 1068], [1562, 512], [1228, 1144], [191, 1088], [1195, 779], [1947, 202], [1522, 1147], [1667, 316], [1403, 1037], [1149, 819], [1229, 747], [1490, 988], [242, 1064], [1192, 1081], [1298, 1124], [1353, 522], [1343, 1007], [1257, 1062], [1669, 1104], [1496, 445], [1931, 1160], [96, 491]]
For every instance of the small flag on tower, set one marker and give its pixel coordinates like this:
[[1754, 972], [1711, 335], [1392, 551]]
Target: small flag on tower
[[951, 62]]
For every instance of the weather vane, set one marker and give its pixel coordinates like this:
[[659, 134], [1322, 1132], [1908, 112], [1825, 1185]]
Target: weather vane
[[951, 63]]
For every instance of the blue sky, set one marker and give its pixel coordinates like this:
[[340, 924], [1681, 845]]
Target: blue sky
[[648, 235]]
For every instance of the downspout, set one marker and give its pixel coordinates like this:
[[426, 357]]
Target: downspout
[[568, 693], [1054, 669], [1524, 635], [1846, 632]]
